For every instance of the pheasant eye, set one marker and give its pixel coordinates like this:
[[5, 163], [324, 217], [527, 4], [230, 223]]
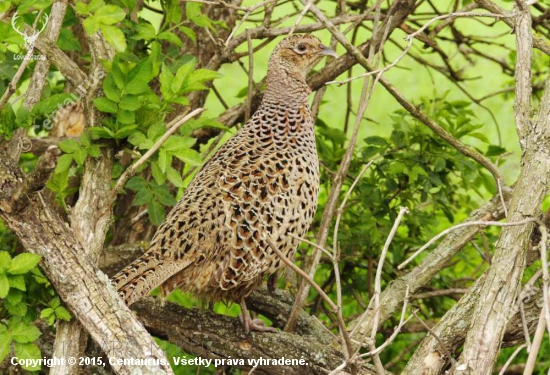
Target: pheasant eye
[[301, 47]]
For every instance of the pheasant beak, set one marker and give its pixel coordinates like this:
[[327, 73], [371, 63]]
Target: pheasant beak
[[326, 51]]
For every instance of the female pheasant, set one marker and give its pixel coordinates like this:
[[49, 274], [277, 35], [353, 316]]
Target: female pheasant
[[263, 181]]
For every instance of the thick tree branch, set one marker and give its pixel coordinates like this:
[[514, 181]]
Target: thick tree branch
[[82, 286]]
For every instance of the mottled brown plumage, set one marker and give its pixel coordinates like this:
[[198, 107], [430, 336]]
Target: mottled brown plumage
[[262, 181]]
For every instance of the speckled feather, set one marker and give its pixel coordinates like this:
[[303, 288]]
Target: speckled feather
[[262, 181]]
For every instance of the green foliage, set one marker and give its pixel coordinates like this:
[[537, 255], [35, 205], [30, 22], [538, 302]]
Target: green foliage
[[24, 291]]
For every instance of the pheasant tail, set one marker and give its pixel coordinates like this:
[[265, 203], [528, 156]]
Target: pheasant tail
[[140, 277]]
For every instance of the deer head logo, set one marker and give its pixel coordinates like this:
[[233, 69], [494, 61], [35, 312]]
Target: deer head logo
[[29, 39]]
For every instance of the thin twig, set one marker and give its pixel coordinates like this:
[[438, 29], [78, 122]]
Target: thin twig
[[378, 277], [481, 223], [514, 354], [341, 323], [535, 347], [250, 77], [410, 39], [545, 276]]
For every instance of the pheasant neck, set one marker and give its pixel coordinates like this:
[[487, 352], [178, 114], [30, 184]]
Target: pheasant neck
[[286, 88]]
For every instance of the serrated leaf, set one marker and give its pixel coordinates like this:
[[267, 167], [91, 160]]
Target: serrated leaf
[[14, 296], [63, 163], [105, 105], [55, 302], [5, 344], [80, 156], [4, 285], [183, 74], [174, 177], [189, 33], [126, 117], [158, 175], [46, 312], [146, 31], [143, 196], [17, 309], [114, 36], [5, 260], [109, 14], [137, 138], [176, 143], [129, 102], [155, 212], [189, 156], [62, 313], [112, 92], [163, 195], [170, 37], [23, 263], [28, 351], [166, 79], [94, 151], [204, 75], [18, 282], [23, 333], [68, 145], [91, 25], [136, 183]]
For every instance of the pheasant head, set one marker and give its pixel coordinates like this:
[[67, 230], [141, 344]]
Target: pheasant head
[[292, 59]]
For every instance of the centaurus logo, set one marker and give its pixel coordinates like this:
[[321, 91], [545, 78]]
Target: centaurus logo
[[29, 39]]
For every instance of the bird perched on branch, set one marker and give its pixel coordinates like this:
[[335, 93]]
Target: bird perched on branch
[[262, 183]]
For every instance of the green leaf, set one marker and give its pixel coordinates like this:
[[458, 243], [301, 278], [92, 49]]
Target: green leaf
[[143, 196], [139, 77], [94, 151], [17, 309], [14, 296], [115, 37], [62, 313], [63, 163], [189, 156], [28, 351], [137, 138], [5, 260], [146, 31], [126, 117], [170, 37], [23, 333], [80, 156], [23, 263], [156, 131], [4, 285], [67, 41], [5, 345], [157, 173], [18, 282], [189, 33], [203, 75], [174, 177], [91, 25], [105, 105], [156, 213], [136, 183], [166, 79], [163, 195], [129, 102], [110, 14], [46, 312], [112, 92], [176, 143], [183, 74], [55, 302]]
